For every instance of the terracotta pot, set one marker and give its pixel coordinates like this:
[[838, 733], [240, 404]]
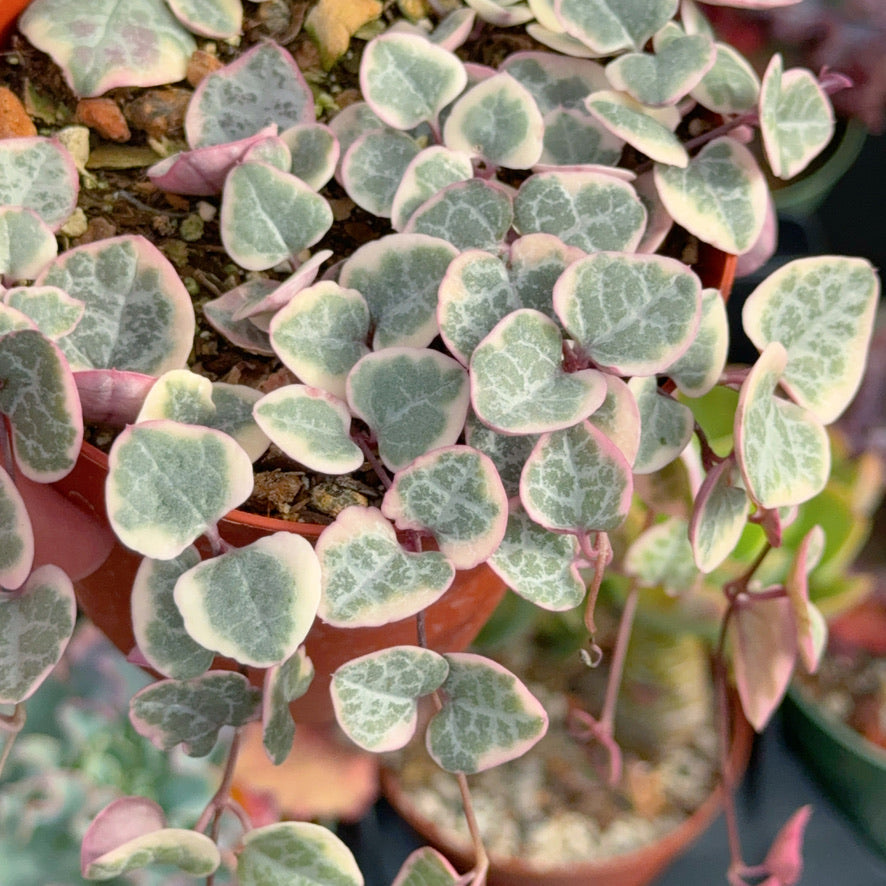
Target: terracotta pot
[[638, 868], [9, 12]]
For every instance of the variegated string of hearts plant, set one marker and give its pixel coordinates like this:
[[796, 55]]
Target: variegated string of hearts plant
[[496, 357]]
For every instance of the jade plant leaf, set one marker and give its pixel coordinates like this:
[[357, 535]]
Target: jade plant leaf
[[426, 867], [168, 483], [782, 449], [518, 383], [131, 832], [507, 451], [157, 623], [662, 557], [592, 211], [811, 628], [368, 578], [105, 44], [311, 426], [607, 26], [488, 717], [429, 171], [408, 81], [16, 535], [454, 493], [577, 480], [665, 426], [796, 118], [376, 696], [499, 121], [39, 397], [373, 167], [538, 565], [51, 309], [255, 604], [191, 712], [27, 243], [221, 313], [38, 174], [632, 122], [314, 152], [399, 276], [699, 367], [837, 299], [209, 18], [269, 215], [263, 86], [295, 852], [719, 516], [618, 417], [413, 399], [473, 214], [731, 86], [36, 622], [321, 334], [721, 196], [284, 683], [139, 315], [634, 314]]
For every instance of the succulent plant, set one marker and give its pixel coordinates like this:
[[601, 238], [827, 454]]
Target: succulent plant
[[510, 356]]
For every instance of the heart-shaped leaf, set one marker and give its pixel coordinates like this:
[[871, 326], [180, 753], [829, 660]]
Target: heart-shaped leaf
[[191, 712], [537, 564], [295, 852], [414, 400], [721, 196], [634, 314], [139, 315], [16, 535], [632, 122], [555, 82], [284, 683], [130, 833], [665, 426], [573, 138], [27, 243], [407, 81], [609, 25], [507, 451], [36, 623], [259, 307], [618, 417], [700, 366], [429, 171], [311, 426], [321, 334], [373, 167], [661, 557], [368, 578], [731, 86], [455, 494], [168, 483], [592, 211], [53, 311], [255, 604], [782, 449], [577, 480], [218, 18], [157, 623], [811, 628], [836, 298], [263, 86], [38, 174], [796, 118], [268, 215], [314, 150], [39, 397], [376, 696], [518, 384], [221, 313], [488, 718], [719, 516], [426, 867], [98, 48], [399, 276]]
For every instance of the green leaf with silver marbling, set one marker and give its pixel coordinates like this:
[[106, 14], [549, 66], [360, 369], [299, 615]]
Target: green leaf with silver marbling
[[36, 623], [39, 397], [518, 383], [314, 151], [283, 683], [796, 118], [577, 480], [168, 483], [157, 623], [192, 712], [592, 211], [699, 368], [222, 19], [782, 448], [507, 451], [368, 578], [16, 535], [373, 167], [255, 604], [27, 243], [413, 399], [292, 853], [731, 86], [822, 310], [721, 196], [429, 171], [311, 426], [665, 426], [503, 13], [618, 417], [555, 81], [488, 717], [634, 314], [607, 26], [454, 493], [426, 867], [12, 319], [574, 138], [661, 556], [51, 309], [719, 516], [376, 696]]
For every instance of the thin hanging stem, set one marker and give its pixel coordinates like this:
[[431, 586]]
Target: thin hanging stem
[[10, 726], [619, 654], [221, 797], [374, 462], [600, 555]]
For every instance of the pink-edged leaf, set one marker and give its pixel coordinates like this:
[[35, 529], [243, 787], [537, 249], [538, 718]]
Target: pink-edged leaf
[[221, 311], [282, 294], [283, 683], [123, 819], [784, 861], [202, 171], [112, 396], [811, 627], [210, 18], [16, 535], [51, 309], [718, 516], [426, 867], [764, 650], [27, 243]]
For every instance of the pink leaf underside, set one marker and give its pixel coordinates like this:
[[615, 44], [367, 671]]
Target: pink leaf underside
[[303, 277], [120, 821], [112, 396], [784, 861]]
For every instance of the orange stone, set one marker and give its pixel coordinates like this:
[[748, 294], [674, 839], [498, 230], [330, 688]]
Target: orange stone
[[14, 119], [103, 116], [200, 64]]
